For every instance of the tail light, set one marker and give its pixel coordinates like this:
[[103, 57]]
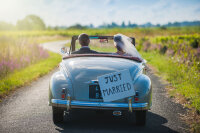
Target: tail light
[[136, 98], [63, 94]]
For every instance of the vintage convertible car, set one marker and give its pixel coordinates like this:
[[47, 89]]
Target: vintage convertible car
[[100, 82]]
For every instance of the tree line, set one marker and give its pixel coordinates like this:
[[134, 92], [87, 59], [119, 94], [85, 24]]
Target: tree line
[[148, 24], [30, 22], [33, 22]]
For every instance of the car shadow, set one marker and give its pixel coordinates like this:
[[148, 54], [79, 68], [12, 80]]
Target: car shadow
[[90, 121]]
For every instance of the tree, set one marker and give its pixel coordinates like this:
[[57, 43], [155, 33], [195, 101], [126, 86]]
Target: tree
[[6, 26], [123, 25], [77, 26], [129, 24], [112, 25], [91, 26], [31, 22]]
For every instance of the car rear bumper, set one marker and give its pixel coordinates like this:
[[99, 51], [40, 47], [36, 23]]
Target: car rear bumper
[[98, 105]]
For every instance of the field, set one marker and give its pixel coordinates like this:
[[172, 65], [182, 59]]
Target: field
[[17, 54], [181, 63], [135, 32], [174, 52], [23, 60], [19, 78]]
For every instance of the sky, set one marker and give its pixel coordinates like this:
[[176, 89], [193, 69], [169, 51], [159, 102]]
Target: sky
[[97, 12]]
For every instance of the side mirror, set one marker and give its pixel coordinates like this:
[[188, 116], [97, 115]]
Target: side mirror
[[63, 50]]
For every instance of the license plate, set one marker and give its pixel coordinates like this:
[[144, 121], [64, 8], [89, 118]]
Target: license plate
[[94, 92]]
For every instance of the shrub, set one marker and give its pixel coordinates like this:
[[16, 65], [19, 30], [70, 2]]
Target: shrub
[[17, 53]]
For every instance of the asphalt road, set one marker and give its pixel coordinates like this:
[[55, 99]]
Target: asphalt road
[[26, 110]]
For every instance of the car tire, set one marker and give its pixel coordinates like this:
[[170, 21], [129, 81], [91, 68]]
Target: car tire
[[58, 115], [140, 117]]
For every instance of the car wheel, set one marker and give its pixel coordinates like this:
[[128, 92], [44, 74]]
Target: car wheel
[[140, 117], [58, 115]]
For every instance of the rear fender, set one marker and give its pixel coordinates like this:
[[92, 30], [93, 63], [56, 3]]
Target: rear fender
[[57, 82], [143, 85]]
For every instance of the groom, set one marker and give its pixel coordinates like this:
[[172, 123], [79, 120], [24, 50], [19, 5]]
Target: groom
[[84, 41]]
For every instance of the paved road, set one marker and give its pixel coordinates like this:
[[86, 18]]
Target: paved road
[[26, 110]]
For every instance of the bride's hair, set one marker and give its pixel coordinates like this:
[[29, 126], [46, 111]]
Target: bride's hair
[[118, 42]]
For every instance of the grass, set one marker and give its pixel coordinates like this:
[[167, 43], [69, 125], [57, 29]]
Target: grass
[[134, 32], [185, 80], [18, 53], [28, 74], [22, 60]]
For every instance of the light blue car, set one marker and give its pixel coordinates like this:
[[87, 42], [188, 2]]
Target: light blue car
[[76, 85]]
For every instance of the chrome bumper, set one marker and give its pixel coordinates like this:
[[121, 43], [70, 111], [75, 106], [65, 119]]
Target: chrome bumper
[[98, 105]]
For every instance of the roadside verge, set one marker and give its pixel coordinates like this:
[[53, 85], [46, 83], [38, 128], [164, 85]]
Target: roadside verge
[[179, 88], [24, 76]]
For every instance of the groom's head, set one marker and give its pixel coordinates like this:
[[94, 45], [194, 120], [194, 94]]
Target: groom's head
[[84, 39]]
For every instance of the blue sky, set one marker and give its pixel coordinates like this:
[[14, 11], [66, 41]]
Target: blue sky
[[96, 12]]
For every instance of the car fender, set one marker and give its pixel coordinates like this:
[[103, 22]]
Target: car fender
[[59, 81], [144, 87]]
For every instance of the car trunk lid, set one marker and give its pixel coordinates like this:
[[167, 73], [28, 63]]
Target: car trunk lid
[[83, 72]]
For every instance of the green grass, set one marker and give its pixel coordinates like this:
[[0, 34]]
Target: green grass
[[28, 74], [185, 80]]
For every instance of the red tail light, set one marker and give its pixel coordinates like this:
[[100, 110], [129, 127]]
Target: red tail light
[[63, 94], [136, 99]]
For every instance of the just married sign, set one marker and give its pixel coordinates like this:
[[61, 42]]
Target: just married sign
[[115, 86]]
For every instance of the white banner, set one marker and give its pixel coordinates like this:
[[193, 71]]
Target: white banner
[[115, 86]]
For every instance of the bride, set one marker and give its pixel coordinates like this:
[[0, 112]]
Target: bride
[[124, 46]]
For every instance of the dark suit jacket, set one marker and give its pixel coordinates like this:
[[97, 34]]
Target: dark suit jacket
[[85, 50]]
